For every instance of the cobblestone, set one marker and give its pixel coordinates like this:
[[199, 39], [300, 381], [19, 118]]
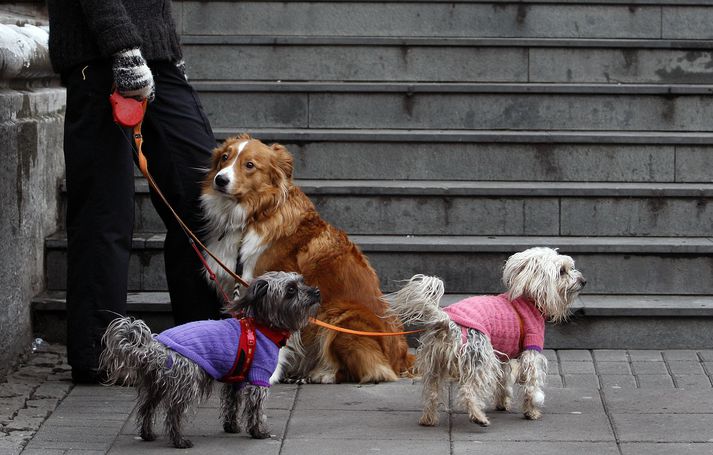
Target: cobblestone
[[30, 394]]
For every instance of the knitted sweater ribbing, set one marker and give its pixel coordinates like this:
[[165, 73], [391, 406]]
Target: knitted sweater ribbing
[[86, 30], [214, 345], [499, 319]]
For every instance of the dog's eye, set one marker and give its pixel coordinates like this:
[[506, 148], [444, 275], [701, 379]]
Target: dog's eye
[[563, 270], [291, 291], [224, 157], [249, 165]]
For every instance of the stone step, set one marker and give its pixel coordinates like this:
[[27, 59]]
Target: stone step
[[396, 59], [592, 107], [472, 264], [433, 207], [598, 321], [533, 19]]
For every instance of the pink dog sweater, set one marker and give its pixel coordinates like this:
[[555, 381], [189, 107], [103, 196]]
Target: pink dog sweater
[[497, 318]]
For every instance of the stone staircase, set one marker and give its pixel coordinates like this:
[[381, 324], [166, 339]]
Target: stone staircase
[[444, 136]]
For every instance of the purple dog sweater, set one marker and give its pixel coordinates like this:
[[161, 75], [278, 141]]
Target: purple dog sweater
[[213, 345]]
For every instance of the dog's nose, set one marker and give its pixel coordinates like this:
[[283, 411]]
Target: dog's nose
[[221, 181], [583, 281]]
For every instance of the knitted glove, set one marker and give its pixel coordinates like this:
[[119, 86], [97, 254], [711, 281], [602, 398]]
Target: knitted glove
[[132, 76]]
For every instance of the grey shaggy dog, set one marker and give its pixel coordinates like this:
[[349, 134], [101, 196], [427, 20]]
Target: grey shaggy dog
[[165, 378]]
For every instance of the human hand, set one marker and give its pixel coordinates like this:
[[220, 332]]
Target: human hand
[[132, 76]]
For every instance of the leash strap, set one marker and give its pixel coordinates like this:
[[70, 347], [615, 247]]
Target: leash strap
[[245, 354], [116, 101], [329, 326]]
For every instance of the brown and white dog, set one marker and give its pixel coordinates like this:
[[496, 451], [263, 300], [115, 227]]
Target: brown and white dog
[[257, 216]]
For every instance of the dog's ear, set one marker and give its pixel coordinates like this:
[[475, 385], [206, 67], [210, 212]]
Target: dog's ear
[[256, 292], [283, 160]]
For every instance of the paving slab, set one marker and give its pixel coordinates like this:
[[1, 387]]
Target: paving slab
[[237, 444], [655, 381], [550, 428], [328, 425], [645, 355], [539, 448], [403, 395], [663, 427], [365, 445], [666, 448], [676, 401], [561, 401], [610, 355]]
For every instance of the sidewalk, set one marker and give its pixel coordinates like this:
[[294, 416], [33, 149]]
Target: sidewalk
[[598, 402]]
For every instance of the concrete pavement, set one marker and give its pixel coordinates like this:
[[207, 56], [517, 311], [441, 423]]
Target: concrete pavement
[[598, 402]]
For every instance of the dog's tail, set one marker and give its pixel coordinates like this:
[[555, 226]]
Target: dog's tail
[[417, 303], [125, 349]]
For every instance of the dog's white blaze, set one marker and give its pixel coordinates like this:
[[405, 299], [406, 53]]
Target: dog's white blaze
[[228, 172], [241, 146], [250, 252]]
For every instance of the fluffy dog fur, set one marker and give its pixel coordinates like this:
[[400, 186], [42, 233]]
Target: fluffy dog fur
[[548, 281], [132, 356], [259, 218]]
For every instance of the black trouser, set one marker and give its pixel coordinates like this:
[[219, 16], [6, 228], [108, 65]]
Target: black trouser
[[100, 201]]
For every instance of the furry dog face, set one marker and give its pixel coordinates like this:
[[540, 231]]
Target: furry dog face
[[545, 277], [246, 171], [279, 299]]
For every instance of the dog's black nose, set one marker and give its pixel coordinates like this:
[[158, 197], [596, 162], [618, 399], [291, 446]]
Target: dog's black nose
[[221, 181], [583, 281]]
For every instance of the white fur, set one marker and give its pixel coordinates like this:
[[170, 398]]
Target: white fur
[[541, 275], [250, 251]]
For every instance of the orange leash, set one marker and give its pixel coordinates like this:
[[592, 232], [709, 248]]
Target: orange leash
[[143, 167], [326, 325]]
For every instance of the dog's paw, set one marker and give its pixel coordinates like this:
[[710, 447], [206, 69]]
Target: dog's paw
[[148, 435], [428, 420], [259, 433], [504, 405], [533, 414], [183, 444], [295, 380], [323, 378], [231, 427], [480, 420]]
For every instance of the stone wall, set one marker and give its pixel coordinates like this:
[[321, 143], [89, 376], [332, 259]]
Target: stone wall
[[31, 169]]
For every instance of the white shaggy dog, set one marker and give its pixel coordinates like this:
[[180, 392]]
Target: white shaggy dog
[[488, 343]]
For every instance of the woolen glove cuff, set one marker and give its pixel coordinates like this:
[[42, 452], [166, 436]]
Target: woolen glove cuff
[[132, 76]]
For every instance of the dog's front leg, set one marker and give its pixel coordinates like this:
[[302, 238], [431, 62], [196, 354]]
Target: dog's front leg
[[230, 406], [533, 371], [254, 418]]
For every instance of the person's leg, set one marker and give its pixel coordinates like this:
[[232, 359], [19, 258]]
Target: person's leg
[[178, 142], [100, 215]]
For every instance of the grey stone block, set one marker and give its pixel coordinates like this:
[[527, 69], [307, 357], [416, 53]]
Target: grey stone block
[[440, 215], [645, 355], [356, 63], [581, 381], [540, 448], [256, 110], [403, 395], [674, 401], [692, 381], [704, 354], [622, 368], [574, 355], [487, 162], [636, 217], [422, 19], [685, 367], [639, 66], [240, 443], [482, 111], [610, 355], [552, 427], [339, 425], [300, 446], [649, 368], [663, 427], [617, 381], [639, 448], [680, 354], [554, 381], [692, 164], [654, 381], [687, 22], [577, 367]]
